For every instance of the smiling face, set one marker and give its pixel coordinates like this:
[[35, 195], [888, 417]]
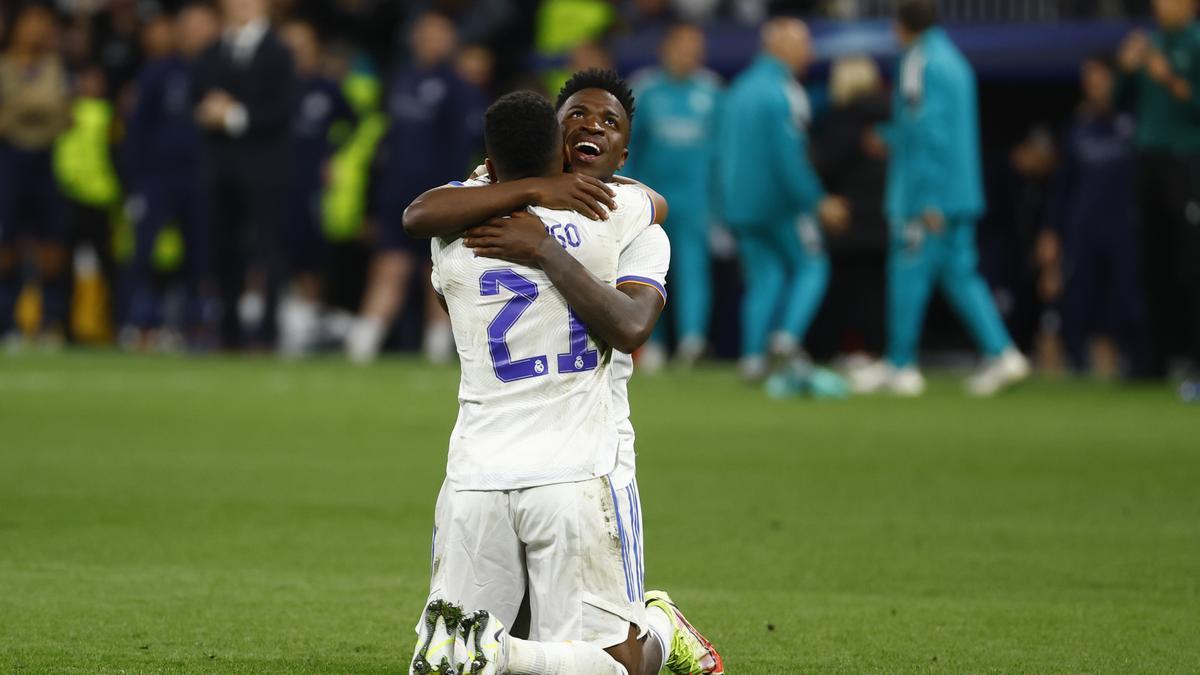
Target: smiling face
[[595, 133]]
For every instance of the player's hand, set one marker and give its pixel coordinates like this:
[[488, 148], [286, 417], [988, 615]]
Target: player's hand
[[1180, 88], [211, 111], [514, 238], [575, 192], [1047, 250], [934, 221], [834, 214], [1133, 52], [873, 145], [1159, 69]]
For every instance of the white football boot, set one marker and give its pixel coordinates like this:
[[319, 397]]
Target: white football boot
[[1005, 370], [486, 645], [440, 633]]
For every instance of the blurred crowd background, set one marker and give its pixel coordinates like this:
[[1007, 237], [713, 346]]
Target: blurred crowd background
[[194, 176]]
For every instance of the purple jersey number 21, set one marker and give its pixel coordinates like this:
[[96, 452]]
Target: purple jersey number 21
[[525, 291]]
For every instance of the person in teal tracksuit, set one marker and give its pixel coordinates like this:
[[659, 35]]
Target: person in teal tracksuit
[[933, 197], [671, 149], [769, 192]]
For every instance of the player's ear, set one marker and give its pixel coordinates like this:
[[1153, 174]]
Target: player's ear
[[624, 156], [491, 170]]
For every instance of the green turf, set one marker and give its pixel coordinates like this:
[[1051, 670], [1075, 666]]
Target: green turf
[[212, 515]]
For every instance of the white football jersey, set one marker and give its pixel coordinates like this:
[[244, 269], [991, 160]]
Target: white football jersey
[[535, 395], [644, 260]]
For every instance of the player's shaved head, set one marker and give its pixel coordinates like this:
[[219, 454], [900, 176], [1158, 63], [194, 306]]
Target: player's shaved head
[[788, 39], [522, 137]]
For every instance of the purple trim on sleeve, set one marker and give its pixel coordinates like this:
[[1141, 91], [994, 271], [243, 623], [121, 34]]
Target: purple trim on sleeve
[[646, 281]]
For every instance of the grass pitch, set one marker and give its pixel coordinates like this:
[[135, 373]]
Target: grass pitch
[[216, 515]]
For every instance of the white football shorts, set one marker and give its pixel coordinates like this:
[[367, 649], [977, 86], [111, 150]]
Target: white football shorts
[[576, 547]]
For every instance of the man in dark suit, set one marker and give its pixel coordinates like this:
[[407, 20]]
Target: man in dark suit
[[245, 88]]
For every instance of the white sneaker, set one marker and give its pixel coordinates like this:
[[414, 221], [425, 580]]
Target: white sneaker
[[870, 378], [439, 634], [438, 342], [752, 368], [689, 351], [784, 345], [652, 358], [907, 382], [14, 343], [486, 645], [299, 322], [1003, 371], [364, 339], [252, 308]]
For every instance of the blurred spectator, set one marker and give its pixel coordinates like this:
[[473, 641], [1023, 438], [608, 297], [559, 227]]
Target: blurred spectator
[[165, 179], [371, 25], [853, 166], [431, 111], [321, 106], [574, 29], [672, 149], [475, 21], [88, 179], [476, 64], [1161, 79], [1034, 324], [34, 110], [934, 196], [116, 43], [766, 182], [246, 91], [1092, 234]]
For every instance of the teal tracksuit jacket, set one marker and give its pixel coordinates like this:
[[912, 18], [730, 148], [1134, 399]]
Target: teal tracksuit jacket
[[768, 189], [671, 150], [934, 165]]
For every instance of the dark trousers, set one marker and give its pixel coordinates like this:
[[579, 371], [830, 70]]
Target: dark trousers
[[1102, 294], [1169, 236], [162, 200], [246, 213], [91, 225], [31, 210], [851, 318]]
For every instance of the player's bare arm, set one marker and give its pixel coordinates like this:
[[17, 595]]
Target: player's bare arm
[[623, 317], [447, 211]]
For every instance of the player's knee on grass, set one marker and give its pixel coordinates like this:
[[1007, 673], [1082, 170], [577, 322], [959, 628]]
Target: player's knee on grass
[[628, 653]]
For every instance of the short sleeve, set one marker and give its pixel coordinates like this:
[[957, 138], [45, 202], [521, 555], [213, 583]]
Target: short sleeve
[[634, 212], [645, 260]]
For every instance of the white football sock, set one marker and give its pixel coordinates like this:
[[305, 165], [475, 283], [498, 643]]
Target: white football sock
[[659, 625], [526, 657]]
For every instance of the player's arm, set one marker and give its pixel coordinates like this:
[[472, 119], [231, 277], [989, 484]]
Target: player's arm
[[789, 158], [447, 211], [934, 143], [658, 201], [623, 317]]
